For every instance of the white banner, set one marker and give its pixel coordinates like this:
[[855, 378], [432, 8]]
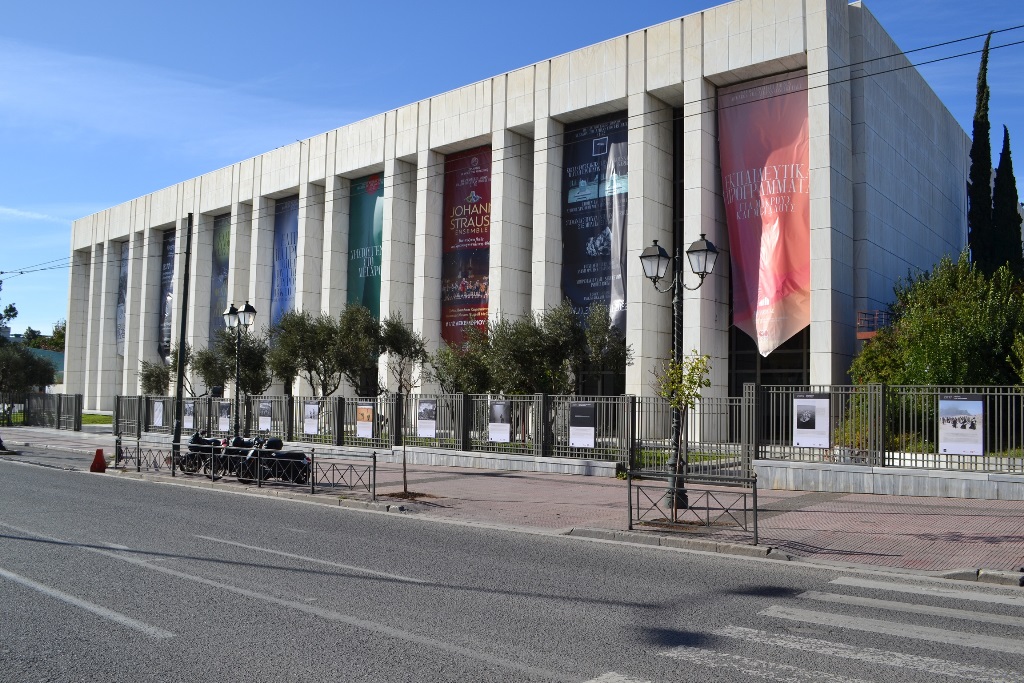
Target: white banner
[[962, 424], [498, 428], [426, 419], [812, 425], [311, 418]]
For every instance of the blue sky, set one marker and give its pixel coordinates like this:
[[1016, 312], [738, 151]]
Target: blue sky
[[104, 102]]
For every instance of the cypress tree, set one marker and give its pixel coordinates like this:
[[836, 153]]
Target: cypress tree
[[1006, 218], [979, 193]]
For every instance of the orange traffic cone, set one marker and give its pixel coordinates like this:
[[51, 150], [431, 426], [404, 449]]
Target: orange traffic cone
[[99, 464]]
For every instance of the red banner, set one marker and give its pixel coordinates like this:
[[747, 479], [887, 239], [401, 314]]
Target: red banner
[[763, 145], [466, 243]]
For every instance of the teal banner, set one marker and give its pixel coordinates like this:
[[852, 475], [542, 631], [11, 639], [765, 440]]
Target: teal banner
[[219, 273], [365, 235]]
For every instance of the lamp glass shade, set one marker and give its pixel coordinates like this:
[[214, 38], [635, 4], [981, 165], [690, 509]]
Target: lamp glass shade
[[654, 260], [231, 316], [247, 315], [702, 255]]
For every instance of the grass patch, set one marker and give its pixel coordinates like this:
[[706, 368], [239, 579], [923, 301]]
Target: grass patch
[[89, 419]]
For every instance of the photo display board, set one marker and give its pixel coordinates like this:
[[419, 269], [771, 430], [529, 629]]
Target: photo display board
[[582, 424], [426, 419], [962, 424], [224, 416], [499, 429], [465, 243], [812, 421], [365, 239], [286, 238], [595, 186], [311, 418], [266, 409], [364, 419], [188, 419], [763, 145], [158, 413], [221, 257]]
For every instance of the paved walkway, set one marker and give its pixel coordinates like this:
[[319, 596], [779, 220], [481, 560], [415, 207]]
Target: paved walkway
[[931, 534]]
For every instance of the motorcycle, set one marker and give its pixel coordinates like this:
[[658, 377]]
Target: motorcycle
[[201, 450], [266, 460]]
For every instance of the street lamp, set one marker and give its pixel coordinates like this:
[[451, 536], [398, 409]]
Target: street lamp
[[237, 319], [702, 256]]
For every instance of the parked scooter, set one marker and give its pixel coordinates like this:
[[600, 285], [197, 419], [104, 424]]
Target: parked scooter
[[201, 449], [267, 461]]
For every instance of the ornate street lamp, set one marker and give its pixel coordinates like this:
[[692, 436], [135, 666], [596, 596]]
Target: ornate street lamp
[[702, 256], [237, 319]]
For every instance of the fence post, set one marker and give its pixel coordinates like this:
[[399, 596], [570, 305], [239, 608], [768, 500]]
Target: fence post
[[248, 415], [289, 417], [398, 420], [883, 418], [539, 422], [548, 422], [631, 430], [466, 428], [117, 415], [140, 415], [78, 412], [338, 428], [26, 415]]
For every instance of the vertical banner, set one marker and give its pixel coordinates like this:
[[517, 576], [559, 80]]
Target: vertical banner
[[311, 418], [224, 416], [426, 419], [365, 237], [499, 429], [812, 421], [364, 419], [219, 273], [595, 185], [166, 295], [763, 145], [286, 237], [582, 424], [465, 243], [122, 299], [188, 418], [266, 411], [962, 424], [158, 413]]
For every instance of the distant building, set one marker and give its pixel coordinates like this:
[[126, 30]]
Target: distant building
[[794, 134]]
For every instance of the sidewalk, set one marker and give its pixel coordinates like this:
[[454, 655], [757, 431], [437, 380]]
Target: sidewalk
[[931, 534]]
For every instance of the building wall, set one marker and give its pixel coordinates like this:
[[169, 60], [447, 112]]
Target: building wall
[[887, 171]]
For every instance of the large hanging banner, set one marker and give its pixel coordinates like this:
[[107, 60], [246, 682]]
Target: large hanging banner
[[763, 144], [286, 238], [166, 294], [595, 184], [365, 236], [465, 243], [219, 273], [122, 299]]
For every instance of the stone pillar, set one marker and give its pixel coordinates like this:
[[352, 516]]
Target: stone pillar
[[426, 306], [93, 329], [239, 261], [261, 257], [546, 254], [398, 248], [199, 291], [132, 312], [309, 249], [511, 225], [108, 363], [334, 292], [78, 321], [150, 302]]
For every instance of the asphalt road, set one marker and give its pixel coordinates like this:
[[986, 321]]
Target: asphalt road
[[113, 579]]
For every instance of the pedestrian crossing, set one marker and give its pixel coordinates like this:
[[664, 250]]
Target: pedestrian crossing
[[813, 638]]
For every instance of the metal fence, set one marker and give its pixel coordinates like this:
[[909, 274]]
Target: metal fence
[[57, 411]]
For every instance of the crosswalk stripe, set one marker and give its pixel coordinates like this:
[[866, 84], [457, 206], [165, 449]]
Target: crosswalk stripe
[[871, 655], [612, 677], [894, 606], [938, 591], [936, 635], [750, 667]]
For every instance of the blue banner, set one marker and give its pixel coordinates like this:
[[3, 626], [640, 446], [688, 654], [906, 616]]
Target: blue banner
[[286, 238]]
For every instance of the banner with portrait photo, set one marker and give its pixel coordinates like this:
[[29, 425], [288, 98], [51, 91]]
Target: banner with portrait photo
[[188, 418], [426, 418], [465, 243], [499, 428], [286, 239], [365, 237], [364, 419], [166, 295], [595, 186], [266, 413], [221, 256], [763, 145], [122, 299], [812, 421], [582, 424], [224, 416], [962, 424]]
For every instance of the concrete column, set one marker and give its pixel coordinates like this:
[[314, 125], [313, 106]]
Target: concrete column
[[132, 310], [261, 257], [334, 284], [546, 254], [78, 321], [309, 249], [833, 323], [150, 302], [108, 363], [199, 290], [238, 262], [180, 238], [648, 312], [426, 306], [398, 248], [93, 330], [511, 224]]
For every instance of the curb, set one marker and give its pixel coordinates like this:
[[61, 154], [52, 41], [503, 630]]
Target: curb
[[702, 544]]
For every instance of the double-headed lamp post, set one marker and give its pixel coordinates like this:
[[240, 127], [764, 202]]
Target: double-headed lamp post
[[237, 319], [702, 256]]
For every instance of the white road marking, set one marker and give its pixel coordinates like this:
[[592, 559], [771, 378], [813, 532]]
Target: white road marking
[[938, 591], [935, 635], [329, 615], [111, 615], [772, 671], [895, 606], [348, 567], [612, 677], [871, 655]]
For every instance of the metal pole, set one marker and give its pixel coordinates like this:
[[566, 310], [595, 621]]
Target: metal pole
[[176, 439], [676, 491], [238, 347]]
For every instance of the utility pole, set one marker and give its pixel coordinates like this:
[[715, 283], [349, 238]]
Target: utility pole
[[176, 438]]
